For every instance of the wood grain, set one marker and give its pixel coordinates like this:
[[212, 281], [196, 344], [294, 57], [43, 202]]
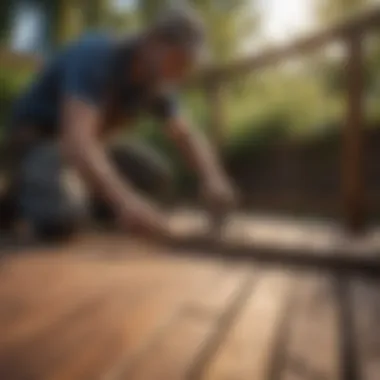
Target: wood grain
[[312, 347], [245, 353], [366, 307]]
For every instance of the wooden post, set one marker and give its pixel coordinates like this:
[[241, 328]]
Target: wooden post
[[353, 180], [216, 124]]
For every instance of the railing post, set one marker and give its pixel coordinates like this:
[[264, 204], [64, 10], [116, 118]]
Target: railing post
[[216, 124], [353, 138], [216, 115]]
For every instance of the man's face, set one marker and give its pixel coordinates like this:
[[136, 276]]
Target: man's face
[[172, 64]]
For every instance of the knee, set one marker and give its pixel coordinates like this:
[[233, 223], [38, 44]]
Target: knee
[[46, 199], [55, 229]]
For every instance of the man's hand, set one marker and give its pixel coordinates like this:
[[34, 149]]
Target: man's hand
[[82, 148], [217, 190], [219, 194], [142, 218]]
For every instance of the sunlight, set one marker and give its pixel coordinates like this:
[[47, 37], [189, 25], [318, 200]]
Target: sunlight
[[283, 20]]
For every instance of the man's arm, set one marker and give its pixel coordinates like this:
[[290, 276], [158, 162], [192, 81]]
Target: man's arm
[[195, 148], [79, 137], [197, 151]]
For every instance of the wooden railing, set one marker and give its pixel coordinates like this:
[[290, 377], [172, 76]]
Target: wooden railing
[[351, 34]]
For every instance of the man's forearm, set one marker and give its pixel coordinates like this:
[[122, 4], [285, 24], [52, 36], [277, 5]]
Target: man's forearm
[[200, 154], [93, 164]]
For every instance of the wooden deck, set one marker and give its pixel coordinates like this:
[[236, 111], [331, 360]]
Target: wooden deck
[[113, 309]]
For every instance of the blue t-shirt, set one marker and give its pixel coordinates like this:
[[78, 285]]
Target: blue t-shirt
[[85, 70]]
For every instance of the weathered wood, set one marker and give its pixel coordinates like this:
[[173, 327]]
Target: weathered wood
[[83, 317], [171, 357], [312, 347], [332, 260], [353, 171], [366, 307], [95, 313], [246, 351], [190, 304]]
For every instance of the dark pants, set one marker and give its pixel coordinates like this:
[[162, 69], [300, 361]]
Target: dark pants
[[41, 189]]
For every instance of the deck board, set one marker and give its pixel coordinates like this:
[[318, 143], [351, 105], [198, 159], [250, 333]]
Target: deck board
[[246, 351], [110, 311], [312, 347], [366, 307]]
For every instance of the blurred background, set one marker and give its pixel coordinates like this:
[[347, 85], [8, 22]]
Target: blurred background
[[300, 136], [280, 128]]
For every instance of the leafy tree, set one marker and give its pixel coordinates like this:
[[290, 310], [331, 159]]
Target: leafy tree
[[230, 24], [330, 11], [5, 8]]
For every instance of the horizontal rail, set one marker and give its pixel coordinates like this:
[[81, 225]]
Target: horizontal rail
[[303, 45], [336, 261]]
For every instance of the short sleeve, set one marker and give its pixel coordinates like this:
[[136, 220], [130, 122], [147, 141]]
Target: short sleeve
[[84, 78], [165, 107]]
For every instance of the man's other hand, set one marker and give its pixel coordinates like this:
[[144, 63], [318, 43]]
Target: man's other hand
[[141, 218], [219, 194]]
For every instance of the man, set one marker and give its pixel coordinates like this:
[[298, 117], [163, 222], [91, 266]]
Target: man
[[92, 87]]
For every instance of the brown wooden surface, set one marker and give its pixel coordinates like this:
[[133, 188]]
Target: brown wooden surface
[[111, 309]]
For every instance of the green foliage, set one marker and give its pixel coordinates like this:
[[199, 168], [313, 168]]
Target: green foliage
[[331, 11], [5, 7], [229, 25], [253, 136], [148, 9], [11, 82]]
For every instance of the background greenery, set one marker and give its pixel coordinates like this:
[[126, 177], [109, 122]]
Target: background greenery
[[300, 100]]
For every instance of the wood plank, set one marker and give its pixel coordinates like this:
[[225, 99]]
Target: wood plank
[[246, 350], [80, 285], [120, 333], [180, 346], [58, 326], [171, 357], [48, 348], [218, 289], [85, 317], [216, 297], [312, 348], [365, 296]]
